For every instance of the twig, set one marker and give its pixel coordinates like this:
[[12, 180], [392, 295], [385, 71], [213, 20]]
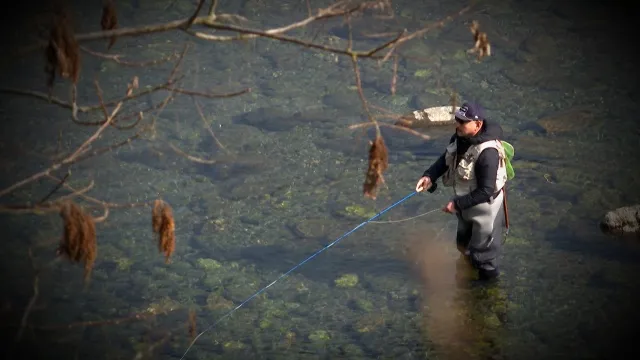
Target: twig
[[71, 158], [83, 109], [58, 186], [340, 8], [75, 193], [174, 71], [108, 119], [394, 78], [332, 11], [428, 28], [108, 148], [32, 301], [100, 203], [192, 158], [372, 53], [195, 15], [43, 207], [103, 217], [212, 9], [116, 58], [402, 128], [354, 60], [208, 127], [250, 33], [211, 96], [308, 8]]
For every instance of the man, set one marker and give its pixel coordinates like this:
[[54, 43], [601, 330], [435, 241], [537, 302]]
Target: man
[[474, 165]]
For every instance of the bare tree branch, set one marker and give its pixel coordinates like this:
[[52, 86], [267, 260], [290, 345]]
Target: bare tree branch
[[211, 96], [192, 158], [340, 8], [395, 127], [32, 301], [208, 127], [116, 58], [195, 15]]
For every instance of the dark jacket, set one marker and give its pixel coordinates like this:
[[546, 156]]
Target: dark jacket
[[486, 166]]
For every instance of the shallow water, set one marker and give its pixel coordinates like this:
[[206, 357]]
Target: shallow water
[[292, 184]]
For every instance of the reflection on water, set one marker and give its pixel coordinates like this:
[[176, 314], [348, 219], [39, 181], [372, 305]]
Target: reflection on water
[[568, 291]]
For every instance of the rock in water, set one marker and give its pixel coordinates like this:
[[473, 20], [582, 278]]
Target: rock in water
[[427, 118], [570, 120], [439, 121], [624, 220]]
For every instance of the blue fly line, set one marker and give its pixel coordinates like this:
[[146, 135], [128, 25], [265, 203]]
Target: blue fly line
[[297, 266]]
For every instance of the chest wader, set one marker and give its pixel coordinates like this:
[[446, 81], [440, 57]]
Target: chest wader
[[479, 235]]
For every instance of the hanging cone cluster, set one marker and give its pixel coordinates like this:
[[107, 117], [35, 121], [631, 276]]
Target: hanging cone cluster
[[78, 242], [109, 20], [481, 44], [378, 163], [63, 51], [164, 228]]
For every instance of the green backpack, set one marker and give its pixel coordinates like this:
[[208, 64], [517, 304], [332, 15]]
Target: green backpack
[[509, 152]]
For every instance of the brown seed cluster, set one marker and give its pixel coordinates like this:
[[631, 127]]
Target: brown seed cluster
[[78, 242], [164, 228], [109, 20], [481, 44], [63, 51], [378, 163]]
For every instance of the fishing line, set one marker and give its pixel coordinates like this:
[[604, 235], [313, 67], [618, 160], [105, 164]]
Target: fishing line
[[297, 266], [402, 220]]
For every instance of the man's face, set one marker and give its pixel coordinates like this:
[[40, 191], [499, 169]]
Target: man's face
[[467, 128]]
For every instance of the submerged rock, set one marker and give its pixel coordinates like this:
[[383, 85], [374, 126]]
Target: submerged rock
[[277, 120], [624, 220], [569, 120], [428, 118], [314, 228]]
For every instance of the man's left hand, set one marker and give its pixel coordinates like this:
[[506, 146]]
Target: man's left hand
[[450, 208]]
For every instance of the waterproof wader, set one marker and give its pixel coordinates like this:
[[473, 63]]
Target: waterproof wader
[[479, 236]]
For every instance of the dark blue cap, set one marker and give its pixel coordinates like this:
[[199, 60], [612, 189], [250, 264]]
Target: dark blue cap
[[469, 112]]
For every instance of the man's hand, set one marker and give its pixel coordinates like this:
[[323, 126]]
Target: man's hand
[[450, 208], [423, 184]]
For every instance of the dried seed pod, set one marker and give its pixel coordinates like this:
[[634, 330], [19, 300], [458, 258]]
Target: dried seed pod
[[78, 242], [164, 227], [109, 20], [481, 42], [62, 52], [378, 162]]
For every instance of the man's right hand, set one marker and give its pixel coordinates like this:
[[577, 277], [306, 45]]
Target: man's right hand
[[423, 184]]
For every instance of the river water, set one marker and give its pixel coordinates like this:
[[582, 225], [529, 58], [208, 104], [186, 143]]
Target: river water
[[288, 181]]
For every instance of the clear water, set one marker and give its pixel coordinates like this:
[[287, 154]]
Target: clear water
[[289, 181]]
